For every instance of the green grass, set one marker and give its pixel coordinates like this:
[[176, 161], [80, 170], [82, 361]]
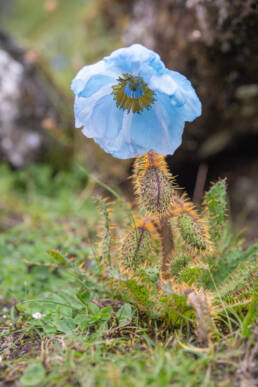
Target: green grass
[[84, 336]]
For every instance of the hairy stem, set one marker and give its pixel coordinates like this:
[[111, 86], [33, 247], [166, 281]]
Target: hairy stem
[[167, 241]]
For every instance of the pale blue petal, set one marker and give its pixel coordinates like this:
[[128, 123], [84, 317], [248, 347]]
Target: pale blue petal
[[82, 84], [83, 107], [136, 59], [78, 105], [105, 120], [125, 151], [147, 132], [95, 83], [122, 145], [172, 121], [160, 128], [180, 91]]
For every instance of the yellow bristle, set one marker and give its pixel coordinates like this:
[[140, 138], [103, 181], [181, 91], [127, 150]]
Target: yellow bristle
[[151, 160]]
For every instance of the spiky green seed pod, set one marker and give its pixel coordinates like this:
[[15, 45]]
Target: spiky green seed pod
[[155, 191], [192, 231], [135, 249]]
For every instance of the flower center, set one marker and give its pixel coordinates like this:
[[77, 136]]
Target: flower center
[[132, 93]]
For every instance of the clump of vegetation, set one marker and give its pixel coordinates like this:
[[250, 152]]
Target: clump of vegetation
[[77, 311], [178, 262]]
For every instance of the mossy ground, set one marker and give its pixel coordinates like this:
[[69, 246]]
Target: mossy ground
[[87, 338]]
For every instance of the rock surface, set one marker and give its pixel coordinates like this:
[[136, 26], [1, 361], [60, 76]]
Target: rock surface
[[34, 122], [214, 43]]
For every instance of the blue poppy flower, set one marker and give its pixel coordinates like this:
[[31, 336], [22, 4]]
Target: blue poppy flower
[[129, 103]]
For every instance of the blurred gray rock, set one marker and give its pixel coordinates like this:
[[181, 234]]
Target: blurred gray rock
[[214, 43], [35, 123]]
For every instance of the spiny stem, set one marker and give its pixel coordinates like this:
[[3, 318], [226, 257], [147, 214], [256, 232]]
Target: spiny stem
[[167, 241]]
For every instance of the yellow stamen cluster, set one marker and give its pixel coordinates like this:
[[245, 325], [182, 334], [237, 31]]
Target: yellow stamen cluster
[[131, 93]]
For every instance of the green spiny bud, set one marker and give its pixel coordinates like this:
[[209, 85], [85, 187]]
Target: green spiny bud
[[135, 249], [155, 191], [192, 231]]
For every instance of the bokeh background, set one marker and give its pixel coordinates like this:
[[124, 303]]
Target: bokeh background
[[43, 43]]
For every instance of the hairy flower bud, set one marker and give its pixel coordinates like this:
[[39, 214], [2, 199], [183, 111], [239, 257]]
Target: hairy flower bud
[[153, 183], [136, 248], [192, 228], [191, 231], [155, 191]]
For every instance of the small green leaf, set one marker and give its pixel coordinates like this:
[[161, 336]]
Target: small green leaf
[[93, 308], [66, 325], [125, 314], [69, 299], [58, 257], [105, 313], [33, 375], [81, 320], [84, 296]]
